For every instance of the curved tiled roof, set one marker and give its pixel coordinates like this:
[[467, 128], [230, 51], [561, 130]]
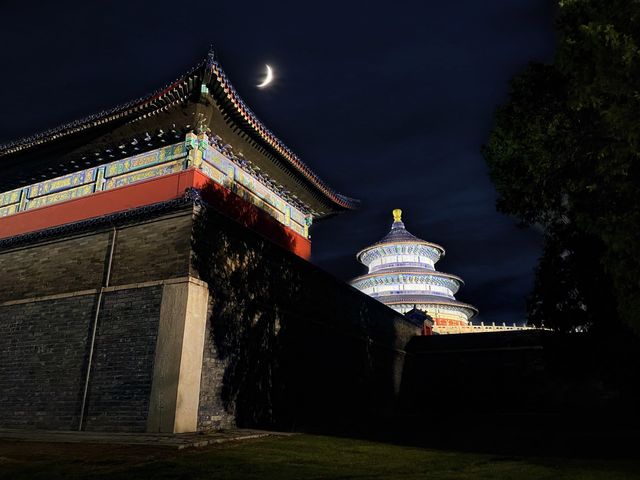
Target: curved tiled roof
[[158, 98], [209, 71], [403, 269], [270, 138], [399, 235], [409, 271], [423, 299]]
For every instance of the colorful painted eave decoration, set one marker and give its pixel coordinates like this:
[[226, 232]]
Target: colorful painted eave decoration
[[158, 163]]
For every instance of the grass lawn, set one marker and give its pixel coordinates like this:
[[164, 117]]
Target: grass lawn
[[294, 457]]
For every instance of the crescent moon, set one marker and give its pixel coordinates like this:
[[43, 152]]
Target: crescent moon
[[267, 79]]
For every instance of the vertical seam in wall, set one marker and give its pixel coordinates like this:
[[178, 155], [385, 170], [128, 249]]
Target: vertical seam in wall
[[94, 331]]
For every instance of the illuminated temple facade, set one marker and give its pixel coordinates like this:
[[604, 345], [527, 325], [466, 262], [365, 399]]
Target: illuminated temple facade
[[402, 275], [195, 135]]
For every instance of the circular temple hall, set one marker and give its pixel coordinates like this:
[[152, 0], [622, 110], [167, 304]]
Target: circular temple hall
[[402, 275]]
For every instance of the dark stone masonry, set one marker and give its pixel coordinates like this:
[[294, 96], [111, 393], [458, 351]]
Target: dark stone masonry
[[118, 397], [205, 325], [43, 347], [284, 344], [48, 300], [288, 344]]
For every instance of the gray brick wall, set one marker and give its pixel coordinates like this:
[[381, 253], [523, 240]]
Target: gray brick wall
[[285, 340], [122, 369], [43, 347], [154, 250], [60, 266], [45, 343], [214, 412], [288, 344]]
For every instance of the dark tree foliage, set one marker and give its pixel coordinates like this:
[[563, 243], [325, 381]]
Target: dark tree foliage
[[564, 155], [571, 291]]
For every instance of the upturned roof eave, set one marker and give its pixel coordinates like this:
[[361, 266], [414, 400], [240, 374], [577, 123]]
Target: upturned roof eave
[[241, 108], [91, 121], [454, 303]]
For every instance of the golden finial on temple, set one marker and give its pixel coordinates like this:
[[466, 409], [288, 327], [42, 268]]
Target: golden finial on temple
[[397, 215]]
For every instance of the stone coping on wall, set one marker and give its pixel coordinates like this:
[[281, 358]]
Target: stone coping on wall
[[114, 288], [186, 279]]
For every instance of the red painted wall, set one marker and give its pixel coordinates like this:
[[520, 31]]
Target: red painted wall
[[153, 191], [449, 323]]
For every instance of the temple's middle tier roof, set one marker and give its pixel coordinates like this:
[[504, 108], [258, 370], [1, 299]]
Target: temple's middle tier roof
[[407, 277]]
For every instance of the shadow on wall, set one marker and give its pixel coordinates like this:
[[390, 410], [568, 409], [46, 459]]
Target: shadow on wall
[[289, 346], [244, 325], [249, 215]]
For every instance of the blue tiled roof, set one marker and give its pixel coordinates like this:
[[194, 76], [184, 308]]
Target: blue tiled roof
[[398, 234]]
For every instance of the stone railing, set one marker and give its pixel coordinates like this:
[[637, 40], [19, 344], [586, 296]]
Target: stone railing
[[482, 328]]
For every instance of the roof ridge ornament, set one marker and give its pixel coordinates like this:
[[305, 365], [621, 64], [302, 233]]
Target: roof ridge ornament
[[397, 220]]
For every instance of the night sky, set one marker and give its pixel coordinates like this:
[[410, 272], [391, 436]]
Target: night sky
[[389, 103]]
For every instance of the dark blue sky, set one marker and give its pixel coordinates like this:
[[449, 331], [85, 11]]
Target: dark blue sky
[[389, 103]]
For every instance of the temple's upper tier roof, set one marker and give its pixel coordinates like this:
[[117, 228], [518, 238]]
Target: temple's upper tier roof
[[398, 235], [202, 100]]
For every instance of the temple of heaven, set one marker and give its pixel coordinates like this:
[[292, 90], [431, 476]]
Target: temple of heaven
[[402, 275]]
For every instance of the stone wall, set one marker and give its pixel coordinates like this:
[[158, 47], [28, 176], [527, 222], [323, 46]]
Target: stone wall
[[285, 344], [58, 266], [122, 369], [48, 299], [541, 377], [152, 250], [43, 347]]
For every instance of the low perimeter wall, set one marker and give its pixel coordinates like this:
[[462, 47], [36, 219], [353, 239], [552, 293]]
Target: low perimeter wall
[[528, 379]]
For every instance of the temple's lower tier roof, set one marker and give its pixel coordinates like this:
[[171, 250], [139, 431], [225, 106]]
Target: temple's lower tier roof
[[421, 299]]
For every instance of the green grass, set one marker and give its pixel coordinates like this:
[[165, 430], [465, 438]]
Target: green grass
[[295, 457]]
